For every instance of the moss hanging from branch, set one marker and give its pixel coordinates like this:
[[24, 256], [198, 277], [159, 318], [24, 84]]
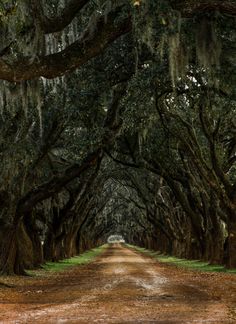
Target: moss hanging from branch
[[208, 47], [159, 28], [178, 40], [21, 34], [178, 58]]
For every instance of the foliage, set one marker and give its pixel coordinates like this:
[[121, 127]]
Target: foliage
[[139, 138]]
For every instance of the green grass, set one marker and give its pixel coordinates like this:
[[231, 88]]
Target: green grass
[[65, 264], [184, 263]]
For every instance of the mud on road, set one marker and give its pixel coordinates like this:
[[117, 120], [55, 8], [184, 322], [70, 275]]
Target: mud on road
[[121, 286]]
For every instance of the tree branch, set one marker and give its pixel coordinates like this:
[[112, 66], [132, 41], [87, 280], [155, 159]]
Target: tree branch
[[57, 182], [68, 13], [72, 57], [189, 8], [127, 164], [54, 185]]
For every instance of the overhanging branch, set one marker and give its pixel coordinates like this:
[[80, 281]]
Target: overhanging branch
[[190, 8], [75, 55], [92, 160], [68, 13]]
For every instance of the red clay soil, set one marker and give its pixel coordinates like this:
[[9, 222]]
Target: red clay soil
[[121, 286]]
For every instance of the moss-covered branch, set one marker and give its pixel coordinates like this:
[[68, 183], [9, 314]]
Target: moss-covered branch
[[88, 46], [189, 8], [58, 23]]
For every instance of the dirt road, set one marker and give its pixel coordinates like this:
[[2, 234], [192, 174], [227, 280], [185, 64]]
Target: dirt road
[[122, 286]]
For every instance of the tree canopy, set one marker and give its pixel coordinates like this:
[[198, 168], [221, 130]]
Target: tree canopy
[[117, 117]]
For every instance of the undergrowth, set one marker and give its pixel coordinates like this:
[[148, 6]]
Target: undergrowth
[[184, 263]]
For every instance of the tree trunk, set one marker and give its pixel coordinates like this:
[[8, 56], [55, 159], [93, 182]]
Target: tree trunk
[[216, 247], [231, 253], [70, 244], [33, 233], [49, 247], [16, 251], [8, 252]]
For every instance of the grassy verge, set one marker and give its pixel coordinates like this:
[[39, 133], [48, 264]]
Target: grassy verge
[[184, 263], [84, 258]]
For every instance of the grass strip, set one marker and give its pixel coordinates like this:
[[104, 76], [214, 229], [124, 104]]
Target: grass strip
[[184, 263], [62, 265]]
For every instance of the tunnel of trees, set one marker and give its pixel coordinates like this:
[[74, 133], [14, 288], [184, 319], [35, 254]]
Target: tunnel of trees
[[117, 117]]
